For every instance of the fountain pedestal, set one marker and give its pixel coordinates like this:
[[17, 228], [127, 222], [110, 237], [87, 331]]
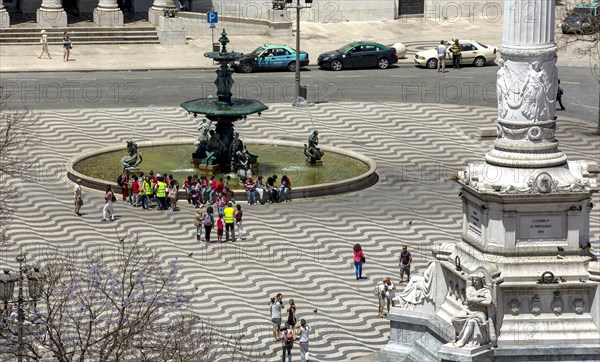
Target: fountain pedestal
[[220, 147]]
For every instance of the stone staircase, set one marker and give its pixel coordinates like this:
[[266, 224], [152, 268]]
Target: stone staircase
[[129, 34]]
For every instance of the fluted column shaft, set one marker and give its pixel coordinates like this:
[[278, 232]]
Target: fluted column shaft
[[526, 88]]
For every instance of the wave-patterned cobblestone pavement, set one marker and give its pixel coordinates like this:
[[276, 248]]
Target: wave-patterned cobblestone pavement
[[302, 249]]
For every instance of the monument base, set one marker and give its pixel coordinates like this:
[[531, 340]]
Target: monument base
[[477, 354], [170, 31], [108, 17], [154, 14], [203, 167], [4, 19], [48, 18]]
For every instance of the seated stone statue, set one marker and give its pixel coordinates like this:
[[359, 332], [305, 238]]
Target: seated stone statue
[[312, 152], [418, 289], [474, 326], [131, 161]]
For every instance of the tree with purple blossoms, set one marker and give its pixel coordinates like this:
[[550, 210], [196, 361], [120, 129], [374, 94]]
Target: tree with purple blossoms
[[119, 303]]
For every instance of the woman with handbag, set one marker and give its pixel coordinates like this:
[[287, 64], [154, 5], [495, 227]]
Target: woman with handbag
[[109, 199], [359, 259], [67, 46]]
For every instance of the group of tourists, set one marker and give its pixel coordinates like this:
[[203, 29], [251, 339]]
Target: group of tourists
[[228, 219], [386, 289], [148, 191], [207, 190], [291, 330]]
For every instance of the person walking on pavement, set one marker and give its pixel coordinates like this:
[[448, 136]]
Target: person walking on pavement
[[275, 309], [404, 262], [441, 52], [455, 49], [559, 95], [44, 42], [109, 199], [67, 46], [287, 336], [229, 214], [359, 259], [304, 332], [78, 201]]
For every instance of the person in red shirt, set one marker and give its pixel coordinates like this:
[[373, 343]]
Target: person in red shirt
[[135, 189], [220, 225], [220, 186], [359, 259]]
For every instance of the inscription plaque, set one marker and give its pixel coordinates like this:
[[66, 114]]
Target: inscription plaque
[[474, 217], [548, 227]]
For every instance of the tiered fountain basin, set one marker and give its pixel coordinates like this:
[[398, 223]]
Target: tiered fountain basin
[[342, 170]]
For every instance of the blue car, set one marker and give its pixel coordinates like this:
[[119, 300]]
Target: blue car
[[268, 57]]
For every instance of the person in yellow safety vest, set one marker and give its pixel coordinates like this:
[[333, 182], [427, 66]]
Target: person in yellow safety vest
[[229, 214], [161, 193], [148, 190]]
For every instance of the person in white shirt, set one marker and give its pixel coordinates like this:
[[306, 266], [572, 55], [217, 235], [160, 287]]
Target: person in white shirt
[[275, 307], [381, 289], [303, 331], [44, 42], [390, 293], [441, 50]]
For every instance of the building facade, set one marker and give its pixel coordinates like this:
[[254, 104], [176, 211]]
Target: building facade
[[109, 13]]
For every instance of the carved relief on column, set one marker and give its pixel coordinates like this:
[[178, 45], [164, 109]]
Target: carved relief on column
[[526, 88], [527, 83]]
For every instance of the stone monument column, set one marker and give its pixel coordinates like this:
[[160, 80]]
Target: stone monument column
[[108, 14], [4, 18], [521, 283], [51, 14], [526, 88]]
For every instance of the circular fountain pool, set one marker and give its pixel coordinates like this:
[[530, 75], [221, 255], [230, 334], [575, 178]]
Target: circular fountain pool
[[341, 171]]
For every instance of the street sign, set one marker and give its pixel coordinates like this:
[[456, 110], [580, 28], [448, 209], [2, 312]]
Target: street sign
[[212, 17]]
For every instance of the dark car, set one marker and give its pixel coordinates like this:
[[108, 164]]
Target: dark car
[[268, 57], [583, 19], [360, 54]]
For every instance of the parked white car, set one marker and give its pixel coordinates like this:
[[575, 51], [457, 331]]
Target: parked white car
[[473, 52]]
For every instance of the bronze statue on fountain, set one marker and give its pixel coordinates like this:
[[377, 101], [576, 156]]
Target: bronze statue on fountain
[[221, 147]]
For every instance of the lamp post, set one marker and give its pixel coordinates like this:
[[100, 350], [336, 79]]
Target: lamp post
[[34, 288], [290, 5]]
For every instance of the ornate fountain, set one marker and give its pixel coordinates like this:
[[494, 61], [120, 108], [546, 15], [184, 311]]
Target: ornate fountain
[[221, 148]]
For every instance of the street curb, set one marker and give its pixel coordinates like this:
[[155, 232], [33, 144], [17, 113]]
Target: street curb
[[211, 67]]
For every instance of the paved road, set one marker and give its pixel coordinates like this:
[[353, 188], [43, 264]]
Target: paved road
[[469, 86]]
